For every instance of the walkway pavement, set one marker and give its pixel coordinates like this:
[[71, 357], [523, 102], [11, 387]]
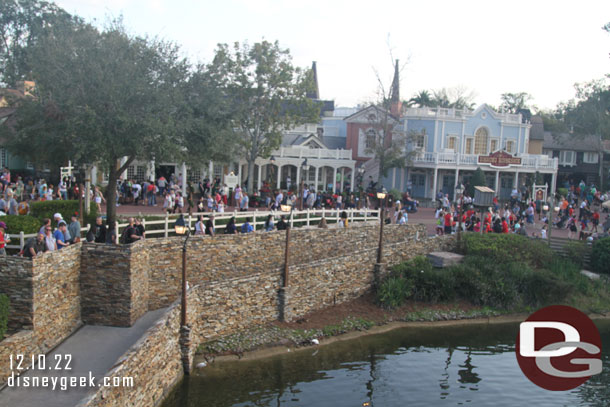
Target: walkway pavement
[[93, 351]]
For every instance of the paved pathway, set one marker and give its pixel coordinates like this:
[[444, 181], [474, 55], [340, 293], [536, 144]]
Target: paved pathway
[[93, 349]]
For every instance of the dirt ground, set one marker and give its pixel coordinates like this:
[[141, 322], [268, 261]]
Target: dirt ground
[[365, 307]]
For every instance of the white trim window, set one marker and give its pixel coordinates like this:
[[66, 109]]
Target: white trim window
[[3, 157], [510, 146], [469, 145], [451, 143], [567, 158], [590, 158], [369, 139], [493, 144], [420, 142]]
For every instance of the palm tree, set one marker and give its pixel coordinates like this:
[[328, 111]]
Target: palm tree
[[421, 99]]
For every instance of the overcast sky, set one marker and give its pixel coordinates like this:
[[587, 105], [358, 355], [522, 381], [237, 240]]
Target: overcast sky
[[489, 47]]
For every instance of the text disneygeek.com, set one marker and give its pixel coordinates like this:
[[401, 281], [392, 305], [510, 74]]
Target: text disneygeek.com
[[65, 383]]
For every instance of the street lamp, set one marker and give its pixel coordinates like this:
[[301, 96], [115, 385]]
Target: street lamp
[[304, 167], [287, 208], [459, 190], [381, 196], [360, 179], [181, 228]]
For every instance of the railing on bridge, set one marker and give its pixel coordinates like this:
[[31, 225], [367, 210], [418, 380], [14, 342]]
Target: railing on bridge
[[296, 218]]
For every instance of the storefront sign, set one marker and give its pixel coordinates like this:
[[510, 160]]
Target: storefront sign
[[499, 159]]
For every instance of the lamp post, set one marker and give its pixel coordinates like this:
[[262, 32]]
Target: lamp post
[[381, 196], [304, 167], [287, 208], [360, 178], [460, 191], [181, 228]]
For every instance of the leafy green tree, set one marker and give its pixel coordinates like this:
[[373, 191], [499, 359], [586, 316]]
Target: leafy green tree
[[267, 95], [22, 24], [589, 114], [453, 98], [514, 102], [421, 99], [478, 180], [103, 98]]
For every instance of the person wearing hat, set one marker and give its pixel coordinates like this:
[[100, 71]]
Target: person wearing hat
[[3, 239]]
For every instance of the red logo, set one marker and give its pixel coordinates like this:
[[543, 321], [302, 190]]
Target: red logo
[[559, 348]]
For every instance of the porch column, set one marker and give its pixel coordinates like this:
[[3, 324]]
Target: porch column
[[334, 179], [151, 173], [260, 176], [516, 180], [210, 170], [342, 179], [279, 176], [183, 179], [297, 181], [324, 170], [351, 185], [315, 188], [457, 176], [434, 184], [553, 182], [497, 184], [393, 177]]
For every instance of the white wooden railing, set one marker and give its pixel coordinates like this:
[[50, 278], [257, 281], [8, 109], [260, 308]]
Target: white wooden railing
[[527, 161], [296, 218]]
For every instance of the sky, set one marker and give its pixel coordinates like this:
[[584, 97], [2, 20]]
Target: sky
[[485, 47]]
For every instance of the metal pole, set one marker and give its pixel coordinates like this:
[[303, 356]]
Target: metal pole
[[183, 302], [382, 216], [460, 212], [80, 204], [549, 219], [286, 255]]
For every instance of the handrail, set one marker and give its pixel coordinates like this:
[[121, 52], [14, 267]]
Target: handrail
[[309, 215]]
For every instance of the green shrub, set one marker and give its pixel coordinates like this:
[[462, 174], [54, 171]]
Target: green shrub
[[575, 252], [506, 248], [393, 291], [4, 304], [46, 209], [545, 288], [600, 256], [396, 194], [562, 191], [17, 223]]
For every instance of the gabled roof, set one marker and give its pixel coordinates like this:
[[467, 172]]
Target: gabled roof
[[566, 141], [372, 109]]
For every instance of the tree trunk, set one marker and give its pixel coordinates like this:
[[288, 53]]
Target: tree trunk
[[113, 175], [251, 176]]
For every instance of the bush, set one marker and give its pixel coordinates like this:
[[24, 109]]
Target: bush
[[4, 304], [543, 287], [396, 194], [562, 191], [46, 209], [16, 224], [393, 291], [506, 248], [575, 252], [600, 256]]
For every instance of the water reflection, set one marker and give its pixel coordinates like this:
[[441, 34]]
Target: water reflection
[[416, 367]]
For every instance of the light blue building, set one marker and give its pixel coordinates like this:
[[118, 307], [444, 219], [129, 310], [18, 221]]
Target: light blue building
[[445, 147]]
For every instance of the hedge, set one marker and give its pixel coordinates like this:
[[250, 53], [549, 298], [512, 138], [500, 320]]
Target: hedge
[[4, 303], [46, 209], [17, 223], [600, 256]]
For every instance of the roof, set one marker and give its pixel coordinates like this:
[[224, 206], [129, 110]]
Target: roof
[[566, 141], [334, 143], [537, 130]]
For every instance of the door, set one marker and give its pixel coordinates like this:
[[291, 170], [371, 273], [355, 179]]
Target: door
[[449, 185], [506, 187], [418, 185]]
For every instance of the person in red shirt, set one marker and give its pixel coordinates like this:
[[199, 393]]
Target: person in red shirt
[[595, 220], [448, 223], [3, 240], [504, 226]]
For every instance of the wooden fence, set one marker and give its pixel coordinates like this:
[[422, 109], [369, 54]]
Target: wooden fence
[[304, 218]]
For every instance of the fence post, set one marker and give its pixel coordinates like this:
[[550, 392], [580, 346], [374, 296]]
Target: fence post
[[307, 216], [323, 210], [365, 212], [254, 219], [21, 240], [166, 219], [291, 222], [190, 221], [116, 227], [144, 223]]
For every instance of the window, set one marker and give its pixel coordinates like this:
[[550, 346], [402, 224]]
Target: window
[[131, 171], [194, 175], [218, 171], [420, 141], [29, 165], [451, 143], [480, 141], [311, 174], [510, 146], [140, 173], [591, 158], [469, 142], [493, 145], [567, 158], [3, 157], [369, 141]]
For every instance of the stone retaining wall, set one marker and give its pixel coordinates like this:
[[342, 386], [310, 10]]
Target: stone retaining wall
[[16, 282]]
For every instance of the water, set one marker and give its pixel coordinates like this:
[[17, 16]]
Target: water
[[449, 366]]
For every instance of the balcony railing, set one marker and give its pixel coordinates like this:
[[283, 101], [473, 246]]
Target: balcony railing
[[446, 113], [528, 161], [305, 152]]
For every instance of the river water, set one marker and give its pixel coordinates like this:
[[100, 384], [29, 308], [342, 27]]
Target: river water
[[443, 366]]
